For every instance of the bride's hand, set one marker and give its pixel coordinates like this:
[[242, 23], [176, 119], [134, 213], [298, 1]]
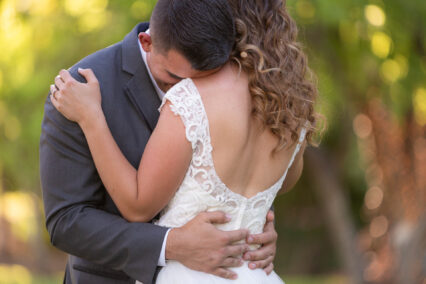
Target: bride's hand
[[79, 102]]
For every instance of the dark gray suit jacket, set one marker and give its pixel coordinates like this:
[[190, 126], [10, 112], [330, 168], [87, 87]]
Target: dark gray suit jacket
[[81, 218]]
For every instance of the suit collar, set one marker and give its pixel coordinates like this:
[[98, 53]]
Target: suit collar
[[131, 54], [139, 88]]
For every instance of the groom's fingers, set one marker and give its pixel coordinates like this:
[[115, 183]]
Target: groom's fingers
[[232, 262], [215, 217], [235, 236], [236, 250]]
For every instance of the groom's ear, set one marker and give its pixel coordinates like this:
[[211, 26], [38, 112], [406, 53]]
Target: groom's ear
[[146, 41]]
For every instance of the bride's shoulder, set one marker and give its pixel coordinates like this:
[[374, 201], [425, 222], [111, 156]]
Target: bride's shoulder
[[225, 84], [225, 95]]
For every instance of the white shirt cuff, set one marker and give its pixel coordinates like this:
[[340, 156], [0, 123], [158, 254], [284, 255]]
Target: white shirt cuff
[[162, 258]]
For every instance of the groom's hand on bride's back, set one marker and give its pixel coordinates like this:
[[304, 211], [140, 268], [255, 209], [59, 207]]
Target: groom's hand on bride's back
[[199, 245]]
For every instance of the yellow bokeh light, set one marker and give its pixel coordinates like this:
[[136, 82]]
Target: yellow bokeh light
[[14, 33], [19, 210], [80, 7], [381, 44], [12, 128], [375, 15], [15, 274], [419, 104], [91, 13], [403, 64], [7, 15], [43, 7], [18, 206], [36, 7], [1, 79], [390, 71], [23, 6], [305, 9], [92, 21]]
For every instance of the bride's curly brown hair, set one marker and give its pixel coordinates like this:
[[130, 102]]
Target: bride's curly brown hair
[[281, 84]]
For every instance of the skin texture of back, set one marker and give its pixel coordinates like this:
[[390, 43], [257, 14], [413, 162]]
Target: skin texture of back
[[242, 149]]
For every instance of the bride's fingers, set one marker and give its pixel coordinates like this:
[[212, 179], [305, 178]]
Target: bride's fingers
[[268, 269], [66, 76], [260, 254], [225, 273], [232, 262], [88, 75], [53, 91], [268, 236], [59, 83], [53, 98]]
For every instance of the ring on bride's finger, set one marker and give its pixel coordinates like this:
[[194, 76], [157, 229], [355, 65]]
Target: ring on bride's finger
[[55, 89]]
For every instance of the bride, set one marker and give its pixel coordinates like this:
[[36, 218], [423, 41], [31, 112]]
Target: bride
[[230, 141]]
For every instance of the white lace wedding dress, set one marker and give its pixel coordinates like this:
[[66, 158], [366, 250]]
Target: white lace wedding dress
[[202, 190]]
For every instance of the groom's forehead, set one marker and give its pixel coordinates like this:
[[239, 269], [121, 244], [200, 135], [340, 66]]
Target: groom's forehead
[[175, 64]]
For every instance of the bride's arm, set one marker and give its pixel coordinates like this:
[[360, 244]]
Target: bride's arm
[[139, 195]]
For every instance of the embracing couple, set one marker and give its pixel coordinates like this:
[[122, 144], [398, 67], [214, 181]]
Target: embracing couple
[[161, 155]]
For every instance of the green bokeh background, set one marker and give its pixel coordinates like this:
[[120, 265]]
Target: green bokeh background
[[360, 51]]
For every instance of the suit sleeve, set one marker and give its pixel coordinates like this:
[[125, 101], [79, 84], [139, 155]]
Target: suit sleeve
[[73, 196]]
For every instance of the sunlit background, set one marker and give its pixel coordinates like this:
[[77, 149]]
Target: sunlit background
[[358, 213]]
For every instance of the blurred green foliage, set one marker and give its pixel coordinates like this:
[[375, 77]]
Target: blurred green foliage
[[359, 49]]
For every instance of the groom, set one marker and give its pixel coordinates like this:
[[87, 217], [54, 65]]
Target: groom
[[189, 39]]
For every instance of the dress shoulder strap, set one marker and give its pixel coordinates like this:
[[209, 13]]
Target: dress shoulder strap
[[186, 102], [299, 144]]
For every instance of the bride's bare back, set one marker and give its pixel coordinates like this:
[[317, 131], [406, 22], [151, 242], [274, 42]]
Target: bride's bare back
[[242, 148]]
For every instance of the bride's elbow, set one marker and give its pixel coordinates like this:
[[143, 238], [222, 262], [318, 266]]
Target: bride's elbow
[[138, 216]]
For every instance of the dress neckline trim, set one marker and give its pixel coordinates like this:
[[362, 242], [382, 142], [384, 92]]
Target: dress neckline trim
[[277, 185]]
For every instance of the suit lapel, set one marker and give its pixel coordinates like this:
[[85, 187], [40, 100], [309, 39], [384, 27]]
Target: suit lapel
[[142, 94], [139, 88]]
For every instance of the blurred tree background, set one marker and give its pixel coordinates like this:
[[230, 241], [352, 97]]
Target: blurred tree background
[[358, 213]]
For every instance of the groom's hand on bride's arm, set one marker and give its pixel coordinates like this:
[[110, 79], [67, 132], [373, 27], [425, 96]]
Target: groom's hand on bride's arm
[[265, 255], [199, 245]]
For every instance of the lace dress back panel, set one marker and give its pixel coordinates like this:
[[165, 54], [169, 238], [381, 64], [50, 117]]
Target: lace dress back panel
[[202, 189]]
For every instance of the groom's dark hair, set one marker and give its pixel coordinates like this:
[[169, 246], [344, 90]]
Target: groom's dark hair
[[201, 30]]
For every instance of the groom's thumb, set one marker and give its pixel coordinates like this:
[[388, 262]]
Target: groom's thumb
[[217, 217], [88, 75]]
